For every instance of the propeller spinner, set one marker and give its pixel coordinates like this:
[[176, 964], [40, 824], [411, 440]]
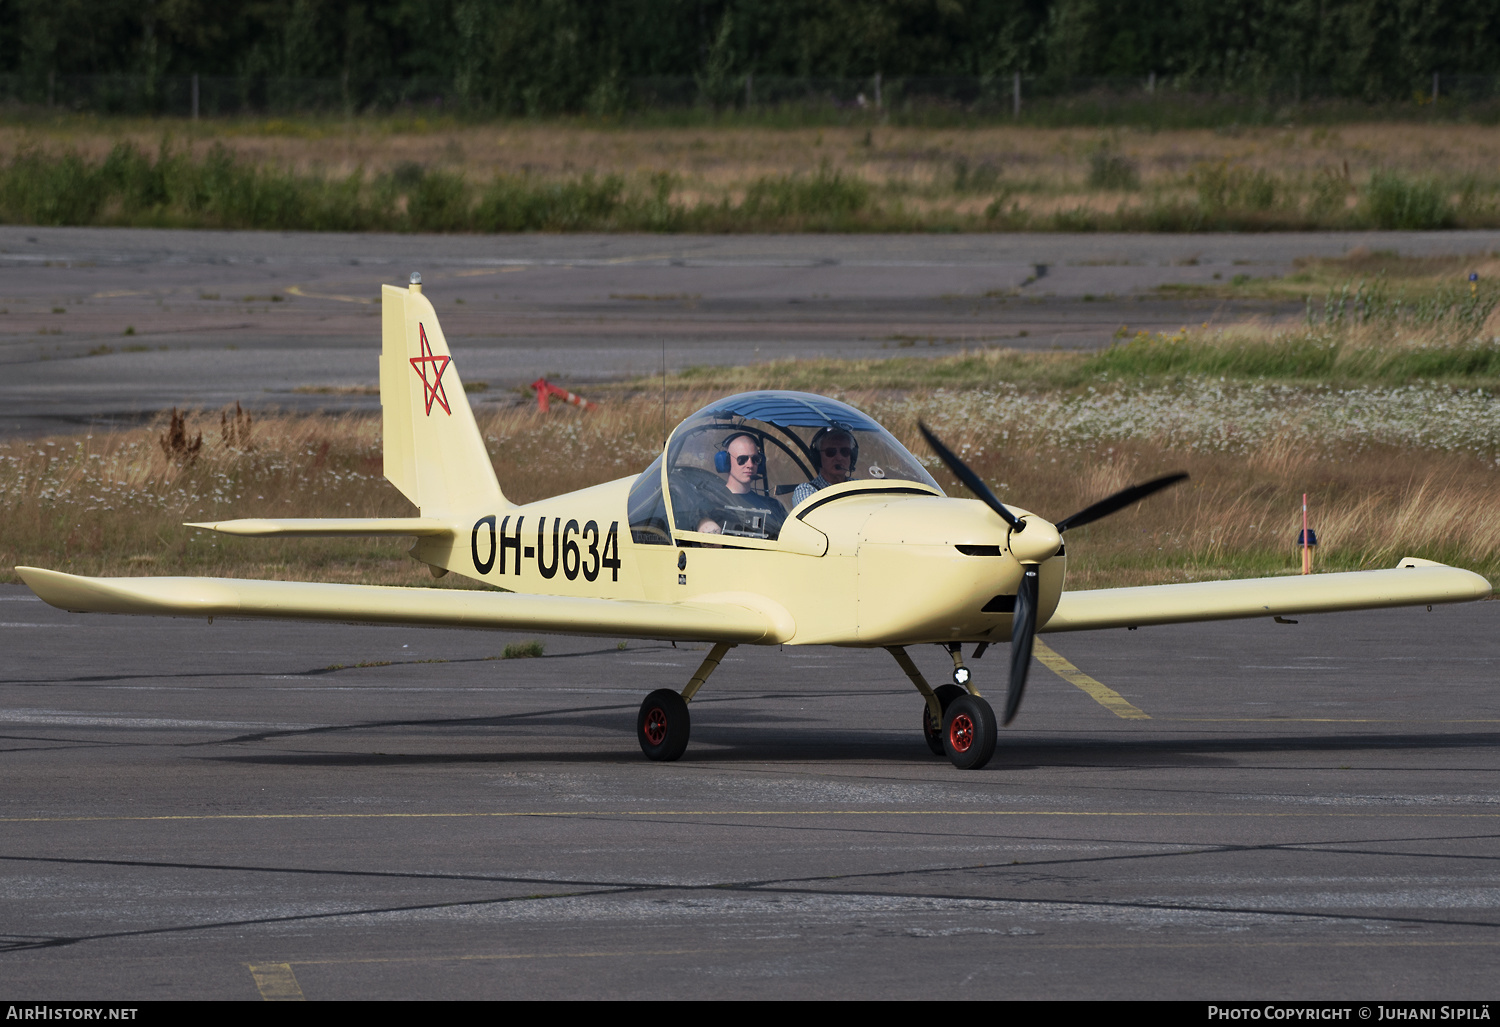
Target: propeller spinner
[[1033, 541]]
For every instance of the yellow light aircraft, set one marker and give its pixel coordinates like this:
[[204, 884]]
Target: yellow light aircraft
[[769, 518]]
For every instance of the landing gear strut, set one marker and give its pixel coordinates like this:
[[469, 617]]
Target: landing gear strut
[[956, 722], [932, 729], [663, 725]]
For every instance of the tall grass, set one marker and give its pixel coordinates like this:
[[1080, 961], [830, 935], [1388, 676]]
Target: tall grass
[[1394, 201], [1109, 170], [1333, 355], [860, 189], [221, 190], [1367, 334]]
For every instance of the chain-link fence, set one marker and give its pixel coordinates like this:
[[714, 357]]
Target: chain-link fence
[[1028, 98]]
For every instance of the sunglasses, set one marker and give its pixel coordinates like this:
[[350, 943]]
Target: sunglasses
[[748, 458], [831, 451]]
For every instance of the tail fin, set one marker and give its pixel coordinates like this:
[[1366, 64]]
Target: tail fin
[[434, 452]]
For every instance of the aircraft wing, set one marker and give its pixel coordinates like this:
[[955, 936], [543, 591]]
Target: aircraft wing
[[726, 617], [1412, 583]]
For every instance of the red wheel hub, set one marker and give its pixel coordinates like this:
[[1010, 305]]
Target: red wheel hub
[[656, 725], [960, 733]]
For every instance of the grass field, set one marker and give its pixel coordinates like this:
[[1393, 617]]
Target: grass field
[[576, 175]]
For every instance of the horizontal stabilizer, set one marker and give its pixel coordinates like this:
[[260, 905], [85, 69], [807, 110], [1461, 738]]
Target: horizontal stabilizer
[[1412, 583], [328, 527], [723, 619]]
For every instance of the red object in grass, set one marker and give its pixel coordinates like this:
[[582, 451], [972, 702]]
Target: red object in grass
[[544, 388]]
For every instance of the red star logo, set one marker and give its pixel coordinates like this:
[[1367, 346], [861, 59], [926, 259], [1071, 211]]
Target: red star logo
[[432, 390]]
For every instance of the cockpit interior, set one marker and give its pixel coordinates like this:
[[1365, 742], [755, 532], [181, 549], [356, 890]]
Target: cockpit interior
[[741, 466]]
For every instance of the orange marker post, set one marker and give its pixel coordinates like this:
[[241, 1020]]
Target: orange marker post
[[1306, 550], [1307, 539]]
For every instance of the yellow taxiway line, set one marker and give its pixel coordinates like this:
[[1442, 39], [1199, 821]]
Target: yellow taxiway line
[[1101, 693], [296, 290], [276, 982]]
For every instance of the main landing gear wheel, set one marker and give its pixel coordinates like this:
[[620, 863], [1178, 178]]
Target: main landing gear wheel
[[933, 732], [662, 726], [969, 732]]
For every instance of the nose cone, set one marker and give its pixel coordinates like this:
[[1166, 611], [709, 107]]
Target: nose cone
[[1039, 541]]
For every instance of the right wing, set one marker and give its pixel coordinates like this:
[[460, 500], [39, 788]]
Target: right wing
[[726, 617], [1412, 583]]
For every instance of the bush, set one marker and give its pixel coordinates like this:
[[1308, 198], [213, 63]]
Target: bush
[[38, 189], [438, 201], [982, 178], [521, 650], [1299, 355], [1230, 187], [217, 190], [1393, 201], [826, 198], [1111, 171], [518, 203]]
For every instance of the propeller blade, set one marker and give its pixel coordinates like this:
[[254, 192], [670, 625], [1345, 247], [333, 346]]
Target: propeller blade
[[1119, 501], [971, 480], [1022, 635]]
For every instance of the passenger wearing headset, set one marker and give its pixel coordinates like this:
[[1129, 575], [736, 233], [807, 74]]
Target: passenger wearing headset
[[748, 513], [834, 454]]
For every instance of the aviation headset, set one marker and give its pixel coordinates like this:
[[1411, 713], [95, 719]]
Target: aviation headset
[[721, 458], [826, 433]]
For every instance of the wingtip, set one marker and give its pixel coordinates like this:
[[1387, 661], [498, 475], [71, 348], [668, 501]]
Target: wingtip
[[30, 574], [54, 588]]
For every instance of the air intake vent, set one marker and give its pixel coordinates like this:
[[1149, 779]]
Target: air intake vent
[[1000, 604], [979, 550]]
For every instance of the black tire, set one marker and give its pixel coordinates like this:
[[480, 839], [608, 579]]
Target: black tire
[[933, 733], [663, 726], [969, 732]]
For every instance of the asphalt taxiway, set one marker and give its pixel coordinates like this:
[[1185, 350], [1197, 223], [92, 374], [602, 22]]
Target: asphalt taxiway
[[112, 325], [263, 810]]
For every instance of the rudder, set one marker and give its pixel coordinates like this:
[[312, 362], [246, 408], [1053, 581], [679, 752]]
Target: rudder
[[433, 450]]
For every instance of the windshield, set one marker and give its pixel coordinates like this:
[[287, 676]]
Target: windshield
[[739, 466]]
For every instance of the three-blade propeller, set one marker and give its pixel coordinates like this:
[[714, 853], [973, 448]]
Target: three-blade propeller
[[1032, 551]]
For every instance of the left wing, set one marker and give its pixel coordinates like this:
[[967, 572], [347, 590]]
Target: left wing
[[725, 617], [1412, 583]]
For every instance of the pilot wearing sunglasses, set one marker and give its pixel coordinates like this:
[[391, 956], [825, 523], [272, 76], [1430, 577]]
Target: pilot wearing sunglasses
[[749, 513], [833, 452]]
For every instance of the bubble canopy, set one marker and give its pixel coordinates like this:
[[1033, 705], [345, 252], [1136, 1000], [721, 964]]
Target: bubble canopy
[[741, 465]]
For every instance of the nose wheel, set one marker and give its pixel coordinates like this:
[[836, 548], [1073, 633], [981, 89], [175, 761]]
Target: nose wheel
[[969, 732], [932, 731]]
